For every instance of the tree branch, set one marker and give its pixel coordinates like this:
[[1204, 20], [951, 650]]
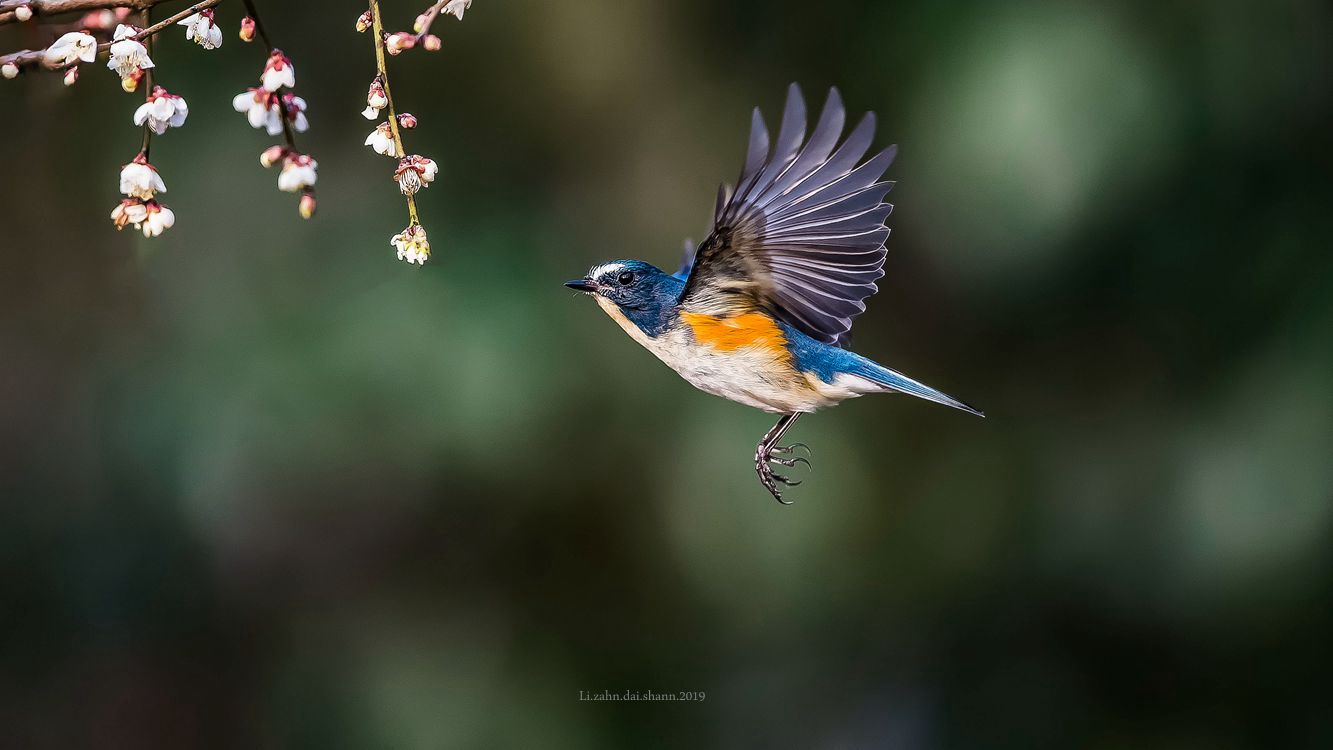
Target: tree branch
[[56, 7], [147, 89], [377, 28], [37, 58]]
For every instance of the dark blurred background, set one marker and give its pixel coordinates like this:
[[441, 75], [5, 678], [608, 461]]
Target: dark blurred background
[[265, 486]]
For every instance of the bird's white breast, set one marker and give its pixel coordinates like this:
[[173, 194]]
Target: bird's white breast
[[754, 376]]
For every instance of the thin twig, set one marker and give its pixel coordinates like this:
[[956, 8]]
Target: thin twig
[[383, 73], [148, 88], [430, 15], [37, 58], [57, 7], [287, 133]]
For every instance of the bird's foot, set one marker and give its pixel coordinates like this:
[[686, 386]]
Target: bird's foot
[[767, 477], [792, 449]]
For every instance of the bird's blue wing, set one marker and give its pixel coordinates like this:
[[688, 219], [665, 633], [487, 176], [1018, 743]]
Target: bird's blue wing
[[686, 261], [803, 232]]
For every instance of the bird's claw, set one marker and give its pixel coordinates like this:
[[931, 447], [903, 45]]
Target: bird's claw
[[769, 478], [790, 462], [792, 449]]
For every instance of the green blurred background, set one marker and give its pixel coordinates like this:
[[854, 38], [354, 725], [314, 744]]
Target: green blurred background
[[265, 486]]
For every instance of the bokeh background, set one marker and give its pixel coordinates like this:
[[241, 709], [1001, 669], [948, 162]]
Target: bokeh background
[[265, 486]]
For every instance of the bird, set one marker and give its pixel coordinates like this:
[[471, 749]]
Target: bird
[[760, 312]]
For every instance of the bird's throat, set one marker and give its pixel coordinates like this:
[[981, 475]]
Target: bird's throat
[[629, 326]]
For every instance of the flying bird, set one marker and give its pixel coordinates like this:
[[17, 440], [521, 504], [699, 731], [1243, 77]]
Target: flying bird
[[760, 312]]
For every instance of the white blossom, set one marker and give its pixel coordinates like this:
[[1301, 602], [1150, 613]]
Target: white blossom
[[23, 12], [201, 29], [74, 46], [298, 172], [376, 99], [381, 140], [148, 216], [415, 172], [9, 70], [412, 245], [260, 108], [139, 179], [160, 219], [128, 56], [129, 211], [295, 107], [456, 7], [161, 111], [278, 72]]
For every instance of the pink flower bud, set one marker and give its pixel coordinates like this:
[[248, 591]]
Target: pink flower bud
[[307, 205], [130, 83], [247, 29], [432, 43], [272, 155], [419, 25], [407, 121], [71, 75], [23, 12], [364, 22], [398, 41]]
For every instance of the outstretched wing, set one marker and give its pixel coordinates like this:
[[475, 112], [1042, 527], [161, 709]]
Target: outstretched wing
[[803, 232]]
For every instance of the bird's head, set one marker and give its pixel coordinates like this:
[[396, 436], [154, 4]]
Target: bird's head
[[629, 284], [642, 292]]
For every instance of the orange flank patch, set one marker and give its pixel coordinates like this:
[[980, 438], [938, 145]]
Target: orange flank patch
[[754, 330]]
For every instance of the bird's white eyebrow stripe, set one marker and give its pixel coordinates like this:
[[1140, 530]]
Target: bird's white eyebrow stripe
[[603, 269]]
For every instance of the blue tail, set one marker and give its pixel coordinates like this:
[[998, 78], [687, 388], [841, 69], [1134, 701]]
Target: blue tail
[[827, 362], [896, 381]]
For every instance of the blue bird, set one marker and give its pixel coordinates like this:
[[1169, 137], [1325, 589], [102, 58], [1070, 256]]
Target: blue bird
[[760, 312]]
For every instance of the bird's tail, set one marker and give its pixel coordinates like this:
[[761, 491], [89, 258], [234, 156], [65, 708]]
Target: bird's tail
[[896, 381]]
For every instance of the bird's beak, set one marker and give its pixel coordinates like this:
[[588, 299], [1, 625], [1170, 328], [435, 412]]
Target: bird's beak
[[583, 285]]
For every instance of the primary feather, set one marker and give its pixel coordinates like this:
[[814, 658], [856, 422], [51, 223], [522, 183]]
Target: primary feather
[[802, 234]]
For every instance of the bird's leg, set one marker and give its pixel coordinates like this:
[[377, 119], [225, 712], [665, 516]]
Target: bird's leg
[[763, 455]]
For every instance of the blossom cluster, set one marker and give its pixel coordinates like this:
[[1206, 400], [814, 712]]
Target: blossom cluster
[[128, 56], [73, 47], [273, 107], [413, 172], [161, 110], [139, 180], [141, 183]]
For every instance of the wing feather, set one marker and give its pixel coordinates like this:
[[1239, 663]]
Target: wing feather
[[803, 232]]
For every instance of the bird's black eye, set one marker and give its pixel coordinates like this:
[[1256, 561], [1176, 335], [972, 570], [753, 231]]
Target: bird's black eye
[[626, 278]]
